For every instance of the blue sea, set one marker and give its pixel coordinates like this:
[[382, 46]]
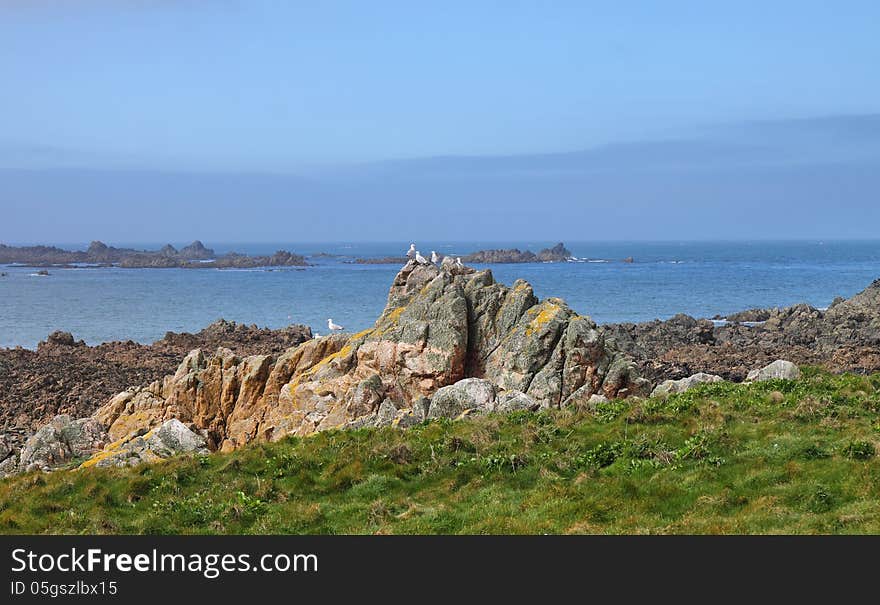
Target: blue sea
[[699, 278]]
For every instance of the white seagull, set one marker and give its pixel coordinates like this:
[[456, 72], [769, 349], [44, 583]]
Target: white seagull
[[333, 327], [421, 259], [411, 253], [434, 258], [458, 262]]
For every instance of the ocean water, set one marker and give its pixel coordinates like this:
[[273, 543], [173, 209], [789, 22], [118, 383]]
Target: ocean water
[[698, 278]]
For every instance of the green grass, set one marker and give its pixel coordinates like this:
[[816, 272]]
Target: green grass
[[774, 457]]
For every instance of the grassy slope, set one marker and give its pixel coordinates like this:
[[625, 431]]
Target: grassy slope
[[771, 457]]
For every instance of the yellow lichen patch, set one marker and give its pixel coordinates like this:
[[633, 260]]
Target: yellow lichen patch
[[543, 317], [344, 351], [108, 451], [126, 424], [362, 334], [95, 459], [390, 321], [394, 316]]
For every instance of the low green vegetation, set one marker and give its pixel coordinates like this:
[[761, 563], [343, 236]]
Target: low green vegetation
[[779, 456]]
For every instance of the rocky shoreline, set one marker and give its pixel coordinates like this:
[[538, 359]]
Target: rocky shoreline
[[98, 254], [450, 342], [843, 338], [65, 376]]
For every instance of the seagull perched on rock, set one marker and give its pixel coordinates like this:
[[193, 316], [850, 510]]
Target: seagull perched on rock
[[411, 253], [421, 259], [434, 258], [458, 262], [334, 327]]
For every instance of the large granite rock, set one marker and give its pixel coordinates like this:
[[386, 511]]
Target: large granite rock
[[513, 401], [171, 438], [779, 369], [449, 334], [669, 387], [61, 441], [9, 453], [468, 394]]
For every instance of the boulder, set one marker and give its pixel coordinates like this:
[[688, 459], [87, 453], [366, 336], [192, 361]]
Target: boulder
[[512, 401], [420, 408], [779, 369], [61, 441], [61, 339], [468, 394], [386, 414], [171, 438], [9, 466], [669, 387], [8, 455]]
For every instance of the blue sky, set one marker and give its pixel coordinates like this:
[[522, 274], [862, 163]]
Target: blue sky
[[671, 118]]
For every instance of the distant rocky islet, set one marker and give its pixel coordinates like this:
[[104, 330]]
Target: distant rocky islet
[[193, 256], [557, 254]]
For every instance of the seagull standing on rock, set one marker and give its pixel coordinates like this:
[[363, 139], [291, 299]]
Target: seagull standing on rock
[[458, 262], [421, 259], [411, 253], [334, 327], [434, 258]]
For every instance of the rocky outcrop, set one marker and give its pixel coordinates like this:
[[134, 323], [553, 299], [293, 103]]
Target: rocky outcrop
[[557, 253], [670, 387], [59, 338], [845, 337], [64, 376], [233, 260], [778, 370], [450, 339], [195, 251]]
